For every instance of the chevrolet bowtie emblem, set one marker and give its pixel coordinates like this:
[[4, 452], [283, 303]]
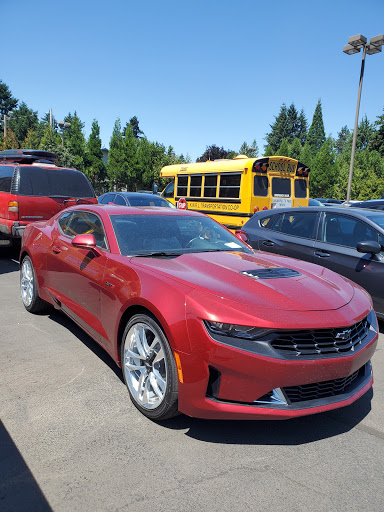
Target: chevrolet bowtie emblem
[[343, 335]]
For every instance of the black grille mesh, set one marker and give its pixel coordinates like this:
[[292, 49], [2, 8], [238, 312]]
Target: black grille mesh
[[271, 273], [321, 341]]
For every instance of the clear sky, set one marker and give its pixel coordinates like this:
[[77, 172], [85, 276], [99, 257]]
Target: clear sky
[[194, 73]]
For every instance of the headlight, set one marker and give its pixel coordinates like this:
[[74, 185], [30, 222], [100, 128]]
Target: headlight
[[236, 331]]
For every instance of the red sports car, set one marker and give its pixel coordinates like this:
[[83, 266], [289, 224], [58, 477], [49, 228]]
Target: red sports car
[[198, 321]]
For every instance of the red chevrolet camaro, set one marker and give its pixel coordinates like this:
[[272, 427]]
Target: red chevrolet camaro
[[198, 321]]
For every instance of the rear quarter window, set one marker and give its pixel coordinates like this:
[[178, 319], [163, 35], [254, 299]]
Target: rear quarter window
[[6, 174]]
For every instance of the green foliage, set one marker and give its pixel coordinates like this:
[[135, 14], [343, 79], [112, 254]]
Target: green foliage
[[251, 151], [116, 158], [302, 128], [95, 167], [284, 148], [7, 101], [279, 129], [10, 142], [269, 151], [306, 157], [365, 131], [131, 170], [323, 174], [74, 140], [316, 133], [23, 119], [134, 124], [50, 140], [377, 142], [341, 143], [295, 149], [213, 153], [32, 140]]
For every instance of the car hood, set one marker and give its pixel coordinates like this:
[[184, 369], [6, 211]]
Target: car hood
[[312, 288]]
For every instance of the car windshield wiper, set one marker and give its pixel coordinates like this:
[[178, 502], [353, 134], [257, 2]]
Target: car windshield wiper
[[156, 254]]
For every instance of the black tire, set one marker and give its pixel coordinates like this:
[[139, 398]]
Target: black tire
[[151, 377], [29, 292]]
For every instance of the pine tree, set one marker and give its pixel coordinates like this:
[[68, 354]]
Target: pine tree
[[316, 133], [306, 157], [302, 128], [365, 132], [145, 174], [116, 158], [377, 142], [31, 140], [95, 170], [341, 143], [132, 172], [279, 129], [74, 140], [50, 140], [251, 151], [7, 101], [284, 148], [268, 151], [323, 175], [10, 141], [23, 118], [293, 123], [295, 149]]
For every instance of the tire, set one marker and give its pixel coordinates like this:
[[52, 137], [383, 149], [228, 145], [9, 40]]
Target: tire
[[28, 287], [149, 368]]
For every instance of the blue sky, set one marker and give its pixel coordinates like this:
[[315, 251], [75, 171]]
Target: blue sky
[[194, 73]]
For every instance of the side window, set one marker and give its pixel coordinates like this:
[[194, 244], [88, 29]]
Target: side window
[[108, 198], [182, 186], [230, 185], [64, 222], [120, 200], [260, 186], [347, 231], [169, 190], [300, 224], [272, 222], [195, 186], [85, 223], [6, 174], [210, 185], [381, 242]]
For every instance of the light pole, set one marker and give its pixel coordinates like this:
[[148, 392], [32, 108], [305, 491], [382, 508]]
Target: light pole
[[63, 125], [6, 117], [355, 44]]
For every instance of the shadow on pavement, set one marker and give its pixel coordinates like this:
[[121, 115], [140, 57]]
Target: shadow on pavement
[[8, 260], [287, 432], [18, 488]]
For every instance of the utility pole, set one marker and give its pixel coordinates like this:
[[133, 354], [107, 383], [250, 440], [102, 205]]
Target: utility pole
[[5, 126], [50, 117]]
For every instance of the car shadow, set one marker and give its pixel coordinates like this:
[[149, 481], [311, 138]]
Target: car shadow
[[18, 488], [61, 319], [9, 260], [297, 431]]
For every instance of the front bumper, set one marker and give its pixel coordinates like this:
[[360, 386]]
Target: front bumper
[[222, 382]]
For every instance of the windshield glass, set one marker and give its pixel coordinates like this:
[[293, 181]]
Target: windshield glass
[[377, 219], [45, 182], [172, 235], [148, 201]]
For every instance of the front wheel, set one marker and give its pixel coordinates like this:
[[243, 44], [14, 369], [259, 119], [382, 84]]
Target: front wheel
[[28, 287], [149, 368]]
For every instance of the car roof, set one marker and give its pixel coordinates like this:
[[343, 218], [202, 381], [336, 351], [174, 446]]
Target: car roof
[[358, 212], [133, 194], [114, 209]]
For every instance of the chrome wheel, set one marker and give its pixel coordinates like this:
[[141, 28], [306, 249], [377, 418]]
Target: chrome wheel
[[145, 365], [27, 282]]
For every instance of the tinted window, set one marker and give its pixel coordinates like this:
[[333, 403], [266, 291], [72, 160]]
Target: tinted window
[[108, 198], [120, 200], [169, 190], [377, 219], [44, 182], [210, 185], [281, 187], [229, 185], [6, 174], [381, 242], [83, 223], [260, 186], [299, 224], [300, 188], [144, 200], [272, 222], [182, 185], [195, 186], [347, 231]]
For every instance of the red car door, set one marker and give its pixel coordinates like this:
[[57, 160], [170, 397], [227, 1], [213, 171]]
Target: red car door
[[74, 275]]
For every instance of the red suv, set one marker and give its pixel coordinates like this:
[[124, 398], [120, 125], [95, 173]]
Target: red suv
[[33, 188]]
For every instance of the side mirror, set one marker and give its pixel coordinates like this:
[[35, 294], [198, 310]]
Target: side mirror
[[368, 247], [84, 241], [155, 188]]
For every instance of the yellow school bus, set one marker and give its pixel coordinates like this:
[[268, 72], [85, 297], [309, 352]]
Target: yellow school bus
[[231, 191]]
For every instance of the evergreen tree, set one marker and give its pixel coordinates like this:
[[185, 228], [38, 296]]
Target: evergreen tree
[[74, 140], [323, 175], [302, 127], [145, 173], [365, 131], [95, 170], [7, 101], [284, 148], [132, 173], [341, 143], [134, 122], [293, 123], [316, 133], [295, 149], [377, 142], [213, 153], [50, 140], [32, 140], [10, 141], [23, 119], [116, 158], [306, 157], [268, 151], [279, 129], [251, 151]]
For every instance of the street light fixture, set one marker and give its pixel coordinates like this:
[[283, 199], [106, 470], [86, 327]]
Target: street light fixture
[[63, 125], [355, 44]]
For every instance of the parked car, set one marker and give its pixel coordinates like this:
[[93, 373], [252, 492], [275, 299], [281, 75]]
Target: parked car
[[373, 204], [328, 201], [134, 199], [198, 322], [349, 241], [314, 202], [33, 188]]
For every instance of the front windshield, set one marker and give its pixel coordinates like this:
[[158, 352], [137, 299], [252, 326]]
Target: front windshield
[[172, 235], [377, 219]]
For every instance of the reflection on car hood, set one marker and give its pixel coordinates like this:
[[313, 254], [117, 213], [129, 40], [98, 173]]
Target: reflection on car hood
[[229, 275]]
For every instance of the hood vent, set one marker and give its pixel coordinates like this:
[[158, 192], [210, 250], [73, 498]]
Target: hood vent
[[271, 273]]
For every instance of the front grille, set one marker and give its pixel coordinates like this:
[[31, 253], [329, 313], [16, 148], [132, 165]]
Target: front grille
[[322, 389], [321, 341]]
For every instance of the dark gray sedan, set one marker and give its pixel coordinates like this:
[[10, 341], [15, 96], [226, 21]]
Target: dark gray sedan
[[349, 241], [134, 199]]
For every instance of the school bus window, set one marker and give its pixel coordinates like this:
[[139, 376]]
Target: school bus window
[[230, 185], [195, 186], [300, 188], [281, 187], [210, 185], [182, 185], [260, 186]]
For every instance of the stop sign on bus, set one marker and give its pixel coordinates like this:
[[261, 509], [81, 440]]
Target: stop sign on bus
[[182, 204]]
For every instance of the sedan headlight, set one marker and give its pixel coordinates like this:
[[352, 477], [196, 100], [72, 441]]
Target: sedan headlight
[[236, 331]]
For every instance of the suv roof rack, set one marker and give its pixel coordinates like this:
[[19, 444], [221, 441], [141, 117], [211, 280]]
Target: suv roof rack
[[27, 156]]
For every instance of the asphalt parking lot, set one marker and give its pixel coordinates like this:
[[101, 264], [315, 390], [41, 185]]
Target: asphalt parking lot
[[70, 439]]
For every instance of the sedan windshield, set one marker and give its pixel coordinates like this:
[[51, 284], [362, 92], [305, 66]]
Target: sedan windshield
[[171, 235]]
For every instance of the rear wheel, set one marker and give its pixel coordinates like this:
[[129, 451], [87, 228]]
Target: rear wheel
[[149, 368], [28, 284]]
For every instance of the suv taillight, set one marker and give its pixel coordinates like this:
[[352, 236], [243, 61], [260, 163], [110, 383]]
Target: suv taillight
[[13, 210]]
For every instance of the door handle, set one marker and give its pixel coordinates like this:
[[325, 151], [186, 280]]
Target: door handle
[[322, 254], [56, 249], [268, 243]]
